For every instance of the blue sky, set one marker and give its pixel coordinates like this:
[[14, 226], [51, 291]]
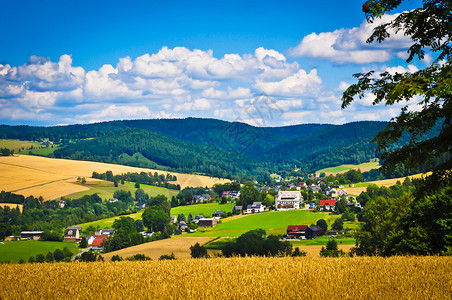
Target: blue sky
[[66, 62]]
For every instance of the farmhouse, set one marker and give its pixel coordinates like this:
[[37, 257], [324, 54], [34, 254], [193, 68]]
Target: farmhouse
[[72, 233], [286, 200], [98, 242], [104, 231], [328, 204], [31, 235], [313, 232], [297, 231], [207, 222], [217, 214], [256, 207], [89, 239]]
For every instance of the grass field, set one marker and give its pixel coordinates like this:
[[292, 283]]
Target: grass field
[[205, 209], [53, 178], [180, 246], [274, 222], [107, 223], [344, 168], [39, 151], [234, 278], [14, 251], [17, 145], [105, 189]]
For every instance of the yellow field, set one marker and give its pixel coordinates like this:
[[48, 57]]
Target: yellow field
[[234, 278], [53, 178], [12, 205], [180, 246], [314, 250], [386, 182]]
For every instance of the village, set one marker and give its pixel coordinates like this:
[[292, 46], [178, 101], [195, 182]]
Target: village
[[287, 197]]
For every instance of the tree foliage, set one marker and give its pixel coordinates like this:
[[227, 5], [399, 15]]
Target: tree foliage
[[429, 30]]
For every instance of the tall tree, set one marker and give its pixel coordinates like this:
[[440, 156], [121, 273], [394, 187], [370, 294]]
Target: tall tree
[[430, 32]]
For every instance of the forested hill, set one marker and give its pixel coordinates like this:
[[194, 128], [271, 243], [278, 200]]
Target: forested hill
[[226, 149]]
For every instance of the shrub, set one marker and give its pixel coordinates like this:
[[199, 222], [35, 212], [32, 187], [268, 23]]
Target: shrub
[[167, 257]]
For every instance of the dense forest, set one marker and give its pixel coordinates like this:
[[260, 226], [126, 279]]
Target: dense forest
[[218, 148]]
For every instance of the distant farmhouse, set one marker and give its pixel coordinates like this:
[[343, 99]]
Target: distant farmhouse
[[31, 235], [286, 200], [207, 222], [72, 233]]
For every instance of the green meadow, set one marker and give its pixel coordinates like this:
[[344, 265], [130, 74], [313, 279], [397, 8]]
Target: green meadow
[[274, 222], [14, 251], [105, 190], [205, 209], [344, 168], [17, 145], [108, 223]]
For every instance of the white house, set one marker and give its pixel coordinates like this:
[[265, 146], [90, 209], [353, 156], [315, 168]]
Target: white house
[[286, 200], [256, 207]]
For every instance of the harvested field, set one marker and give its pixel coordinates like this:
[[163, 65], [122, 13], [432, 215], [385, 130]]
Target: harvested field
[[234, 278], [314, 250], [180, 246], [12, 205], [53, 178], [386, 182]]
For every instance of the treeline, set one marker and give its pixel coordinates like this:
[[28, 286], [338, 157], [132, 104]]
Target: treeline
[[213, 147], [141, 178], [6, 152], [48, 216], [409, 218]]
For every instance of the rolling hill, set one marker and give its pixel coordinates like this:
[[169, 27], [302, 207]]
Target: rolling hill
[[218, 148]]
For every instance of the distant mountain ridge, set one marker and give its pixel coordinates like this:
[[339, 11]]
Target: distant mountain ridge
[[214, 147]]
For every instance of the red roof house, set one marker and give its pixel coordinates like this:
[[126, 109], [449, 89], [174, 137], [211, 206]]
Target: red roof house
[[98, 241], [298, 231], [328, 204]]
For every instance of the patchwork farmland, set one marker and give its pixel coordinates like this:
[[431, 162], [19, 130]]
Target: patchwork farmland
[[53, 178]]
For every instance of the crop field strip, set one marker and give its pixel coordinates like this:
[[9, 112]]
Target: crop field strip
[[53, 178], [385, 182], [180, 246], [234, 278]]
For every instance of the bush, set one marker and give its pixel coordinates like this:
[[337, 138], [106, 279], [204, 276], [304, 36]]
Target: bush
[[67, 253], [297, 252], [31, 260], [58, 255], [167, 257], [198, 251], [49, 257], [338, 224], [40, 258], [116, 258], [51, 236], [139, 257]]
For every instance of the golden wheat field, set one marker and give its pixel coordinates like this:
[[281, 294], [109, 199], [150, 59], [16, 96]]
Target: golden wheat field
[[385, 182], [234, 278], [53, 178], [12, 205], [180, 246]]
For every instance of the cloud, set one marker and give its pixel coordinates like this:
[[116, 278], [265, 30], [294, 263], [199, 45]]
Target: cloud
[[298, 84], [180, 82], [345, 46]]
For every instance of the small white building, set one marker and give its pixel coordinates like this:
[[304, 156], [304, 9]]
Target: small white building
[[286, 200], [256, 207]]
